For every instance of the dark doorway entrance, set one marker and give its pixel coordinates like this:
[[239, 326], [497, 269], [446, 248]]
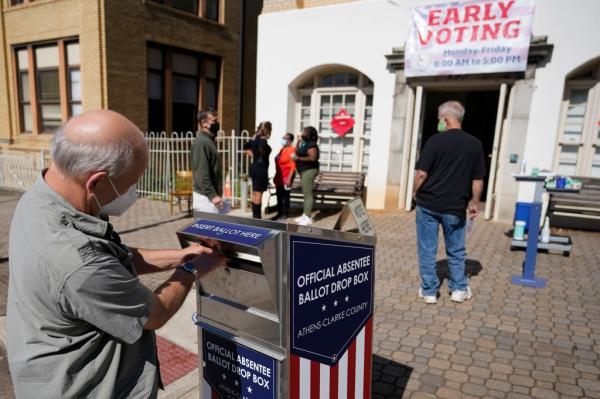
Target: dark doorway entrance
[[480, 118]]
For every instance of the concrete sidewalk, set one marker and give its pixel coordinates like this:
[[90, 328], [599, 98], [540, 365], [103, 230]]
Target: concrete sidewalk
[[507, 342]]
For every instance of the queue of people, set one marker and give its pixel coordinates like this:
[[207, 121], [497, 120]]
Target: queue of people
[[302, 159]]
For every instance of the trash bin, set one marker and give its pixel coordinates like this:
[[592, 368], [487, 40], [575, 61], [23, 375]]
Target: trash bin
[[291, 313]]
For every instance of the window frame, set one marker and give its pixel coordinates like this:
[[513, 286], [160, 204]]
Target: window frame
[[70, 68], [19, 90], [201, 7], [167, 75], [33, 79], [589, 141]]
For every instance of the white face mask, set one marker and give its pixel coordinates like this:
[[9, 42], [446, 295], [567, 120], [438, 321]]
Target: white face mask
[[119, 205]]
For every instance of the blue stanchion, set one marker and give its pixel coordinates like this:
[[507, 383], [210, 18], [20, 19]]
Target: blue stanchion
[[528, 276]]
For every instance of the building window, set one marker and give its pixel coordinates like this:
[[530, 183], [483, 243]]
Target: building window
[[211, 9], [48, 91], [320, 98], [211, 88], [23, 91], [156, 97], [179, 83], [208, 9], [74, 75], [578, 145], [16, 2], [48, 85]]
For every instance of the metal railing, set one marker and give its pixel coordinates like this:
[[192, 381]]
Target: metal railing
[[18, 171], [171, 153], [168, 154]]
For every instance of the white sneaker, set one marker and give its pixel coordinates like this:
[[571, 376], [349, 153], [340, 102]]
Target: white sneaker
[[299, 218], [461, 296], [305, 221], [427, 298]]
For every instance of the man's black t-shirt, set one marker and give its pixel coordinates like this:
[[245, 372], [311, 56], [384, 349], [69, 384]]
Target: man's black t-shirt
[[452, 160]]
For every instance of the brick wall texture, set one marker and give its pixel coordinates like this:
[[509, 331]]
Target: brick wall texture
[[285, 5], [113, 37]]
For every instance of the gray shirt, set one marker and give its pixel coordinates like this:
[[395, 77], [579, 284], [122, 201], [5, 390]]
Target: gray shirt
[[76, 308]]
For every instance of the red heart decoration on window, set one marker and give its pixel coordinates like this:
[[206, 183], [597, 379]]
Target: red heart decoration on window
[[342, 122]]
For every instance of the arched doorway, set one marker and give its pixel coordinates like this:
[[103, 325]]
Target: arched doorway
[[320, 94]]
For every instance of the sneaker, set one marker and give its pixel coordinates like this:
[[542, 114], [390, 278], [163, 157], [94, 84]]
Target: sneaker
[[305, 221], [427, 298], [299, 218], [461, 296]]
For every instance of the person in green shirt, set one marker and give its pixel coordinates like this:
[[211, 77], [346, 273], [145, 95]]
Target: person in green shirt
[[206, 164]]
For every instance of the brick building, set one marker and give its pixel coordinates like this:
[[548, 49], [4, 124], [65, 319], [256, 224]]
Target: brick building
[[156, 61]]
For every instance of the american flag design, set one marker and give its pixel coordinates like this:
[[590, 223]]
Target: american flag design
[[349, 378]]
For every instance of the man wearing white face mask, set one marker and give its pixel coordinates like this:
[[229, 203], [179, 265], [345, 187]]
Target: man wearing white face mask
[[119, 205], [79, 322]]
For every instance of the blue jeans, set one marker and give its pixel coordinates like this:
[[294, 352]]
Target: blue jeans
[[428, 223]]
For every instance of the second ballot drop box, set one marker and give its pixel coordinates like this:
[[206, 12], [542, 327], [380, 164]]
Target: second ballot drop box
[[290, 316]]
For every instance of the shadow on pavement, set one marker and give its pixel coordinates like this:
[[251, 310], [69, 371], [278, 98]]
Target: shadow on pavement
[[472, 268], [389, 378]]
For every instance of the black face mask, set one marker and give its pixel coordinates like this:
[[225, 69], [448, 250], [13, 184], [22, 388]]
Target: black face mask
[[214, 128]]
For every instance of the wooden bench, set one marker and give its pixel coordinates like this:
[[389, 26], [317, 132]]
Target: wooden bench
[[332, 190], [577, 210]]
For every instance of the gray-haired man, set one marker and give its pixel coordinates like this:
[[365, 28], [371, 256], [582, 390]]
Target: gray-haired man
[[80, 323], [448, 185]]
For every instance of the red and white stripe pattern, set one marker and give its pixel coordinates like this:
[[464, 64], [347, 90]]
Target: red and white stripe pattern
[[350, 378], [208, 392]]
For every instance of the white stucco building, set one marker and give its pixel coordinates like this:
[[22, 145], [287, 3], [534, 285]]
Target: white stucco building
[[312, 61]]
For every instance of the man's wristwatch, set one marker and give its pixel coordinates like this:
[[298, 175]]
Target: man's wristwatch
[[190, 268]]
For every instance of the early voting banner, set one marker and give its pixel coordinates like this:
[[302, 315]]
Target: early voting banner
[[473, 36], [331, 296], [233, 371]]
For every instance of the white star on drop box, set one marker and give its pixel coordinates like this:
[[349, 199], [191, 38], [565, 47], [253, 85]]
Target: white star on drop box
[[224, 376], [249, 390], [347, 298], [236, 383], [335, 303], [323, 308]]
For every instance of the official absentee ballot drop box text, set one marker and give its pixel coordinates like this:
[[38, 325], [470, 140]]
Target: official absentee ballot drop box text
[[290, 316]]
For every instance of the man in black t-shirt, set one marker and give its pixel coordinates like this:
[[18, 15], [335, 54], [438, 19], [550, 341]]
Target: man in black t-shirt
[[447, 188]]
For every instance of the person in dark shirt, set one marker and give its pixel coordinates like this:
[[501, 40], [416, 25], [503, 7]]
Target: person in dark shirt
[[307, 164], [258, 148], [447, 188], [207, 171]]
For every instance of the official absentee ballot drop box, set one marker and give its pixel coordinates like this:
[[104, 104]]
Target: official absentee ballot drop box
[[290, 316]]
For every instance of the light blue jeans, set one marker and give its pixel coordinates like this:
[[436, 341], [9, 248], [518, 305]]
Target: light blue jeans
[[453, 226]]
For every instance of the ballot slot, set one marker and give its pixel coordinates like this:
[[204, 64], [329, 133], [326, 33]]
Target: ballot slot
[[241, 284], [244, 297]]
